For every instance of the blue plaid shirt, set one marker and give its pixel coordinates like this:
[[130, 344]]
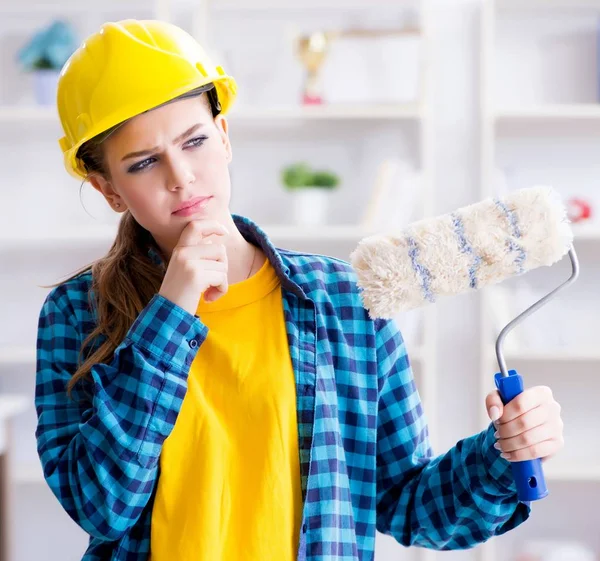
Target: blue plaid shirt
[[365, 458]]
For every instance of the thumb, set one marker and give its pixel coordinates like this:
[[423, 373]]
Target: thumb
[[494, 406]]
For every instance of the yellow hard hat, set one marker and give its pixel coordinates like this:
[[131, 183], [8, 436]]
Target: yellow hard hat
[[124, 69]]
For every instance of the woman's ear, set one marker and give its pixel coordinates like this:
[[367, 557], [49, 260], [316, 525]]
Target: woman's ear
[[223, 128], [103, 186]]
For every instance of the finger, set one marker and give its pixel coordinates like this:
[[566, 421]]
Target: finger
[[207, 266], [210, 239], [528, 438], [525, 422], [219, 286], [529, 399], [494, 406], [196, 230], [540, 450], [212, 252]]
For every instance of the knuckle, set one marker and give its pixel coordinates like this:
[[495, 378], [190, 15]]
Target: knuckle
[[520, 407], [180, 255], [527, 439], [193, 271], [521, 423]]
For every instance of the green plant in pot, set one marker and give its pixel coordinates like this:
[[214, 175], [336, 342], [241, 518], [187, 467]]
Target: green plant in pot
[[44, 56], [311, 190]]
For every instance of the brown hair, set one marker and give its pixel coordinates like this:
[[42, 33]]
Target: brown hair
[[127, 277]]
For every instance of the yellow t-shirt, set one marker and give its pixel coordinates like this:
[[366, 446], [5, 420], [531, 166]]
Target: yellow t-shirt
[[229, 486]]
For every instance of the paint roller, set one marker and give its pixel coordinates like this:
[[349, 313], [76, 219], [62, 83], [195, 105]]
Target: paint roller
[[475, 246]]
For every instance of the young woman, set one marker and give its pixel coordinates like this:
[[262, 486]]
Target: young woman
[[204, 396]]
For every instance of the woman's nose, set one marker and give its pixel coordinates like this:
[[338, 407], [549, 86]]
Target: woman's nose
[[180, 175]]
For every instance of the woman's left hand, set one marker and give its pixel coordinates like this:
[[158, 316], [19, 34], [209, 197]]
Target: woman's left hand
[[528, 427]]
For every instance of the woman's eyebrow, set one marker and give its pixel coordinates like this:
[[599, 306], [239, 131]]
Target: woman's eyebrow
[[139, 153]]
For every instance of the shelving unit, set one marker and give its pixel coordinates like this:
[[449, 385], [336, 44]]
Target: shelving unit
[[335, 239], [494, 114]]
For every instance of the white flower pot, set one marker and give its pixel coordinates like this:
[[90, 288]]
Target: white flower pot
[[45, 83], [310, 205]]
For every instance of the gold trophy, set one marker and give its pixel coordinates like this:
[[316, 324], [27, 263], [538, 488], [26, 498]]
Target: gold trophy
[[312, 50]]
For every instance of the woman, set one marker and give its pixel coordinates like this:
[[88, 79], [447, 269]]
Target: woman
[[202, 395]]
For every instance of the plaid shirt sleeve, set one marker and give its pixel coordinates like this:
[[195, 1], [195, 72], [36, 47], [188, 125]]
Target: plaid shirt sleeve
[[100, 455], [453, 501]]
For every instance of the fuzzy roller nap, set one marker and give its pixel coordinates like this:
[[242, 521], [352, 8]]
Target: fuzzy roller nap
[[475, 246]]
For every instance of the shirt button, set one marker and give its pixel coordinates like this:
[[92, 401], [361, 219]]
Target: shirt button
[[193, 343], [304, 528]]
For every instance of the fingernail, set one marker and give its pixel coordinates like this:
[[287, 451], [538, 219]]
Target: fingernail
[[494, 413], [496, 434], [497, 445], [505, 455]]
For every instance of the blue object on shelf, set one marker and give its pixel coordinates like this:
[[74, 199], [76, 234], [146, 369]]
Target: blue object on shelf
[[53, 45]]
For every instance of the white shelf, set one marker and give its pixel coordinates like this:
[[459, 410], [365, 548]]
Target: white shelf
[[282, 5], [241, 115], [59, 239], [330, 233], [553, 355], [25, 113], [544, 356], [556, 472], [27, 8], [329, 112], [17, 356], [586, 233], [12, 404], [219, 6], [525, 5], [105, 235], [549, 112], [416, 353], [28, 474]]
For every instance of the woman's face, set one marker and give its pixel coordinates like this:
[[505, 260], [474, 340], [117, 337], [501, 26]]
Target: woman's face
[[166, 158]]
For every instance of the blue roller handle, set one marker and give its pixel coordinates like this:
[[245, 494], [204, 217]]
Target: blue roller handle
[[529, 476]]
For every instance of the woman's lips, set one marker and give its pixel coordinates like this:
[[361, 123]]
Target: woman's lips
[[195, 205]]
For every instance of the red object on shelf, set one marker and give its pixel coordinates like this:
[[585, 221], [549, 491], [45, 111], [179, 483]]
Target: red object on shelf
[[312, 99], [578, 210]]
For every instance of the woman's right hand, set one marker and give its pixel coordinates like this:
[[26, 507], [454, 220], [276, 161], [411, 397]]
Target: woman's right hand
[[198, 265]]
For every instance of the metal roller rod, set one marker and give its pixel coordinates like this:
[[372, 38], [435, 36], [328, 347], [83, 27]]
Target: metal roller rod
[[533, 308]]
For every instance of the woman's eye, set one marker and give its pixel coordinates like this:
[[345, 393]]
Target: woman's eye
[[193, 143], [196, 141], [141, 165]]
